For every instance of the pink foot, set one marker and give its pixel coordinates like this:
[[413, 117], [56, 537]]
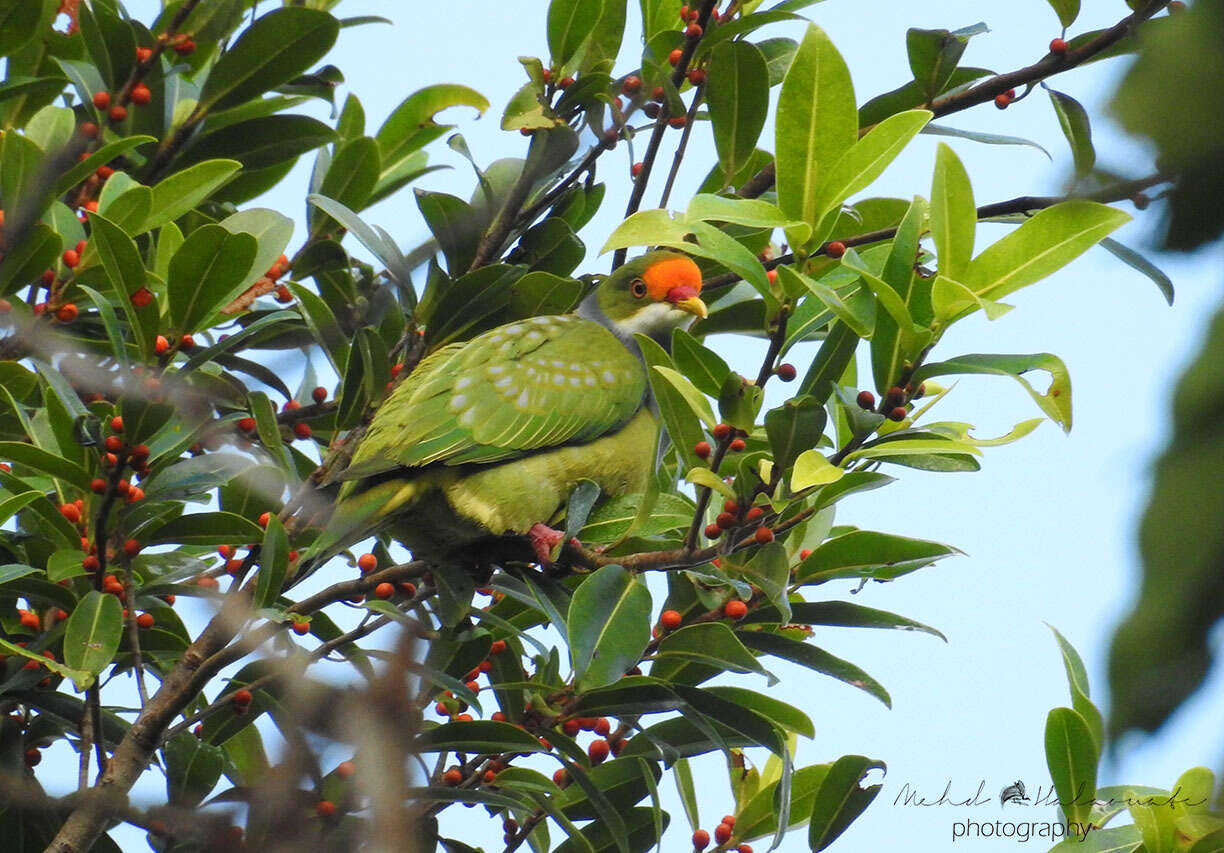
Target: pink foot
[[543, 539]]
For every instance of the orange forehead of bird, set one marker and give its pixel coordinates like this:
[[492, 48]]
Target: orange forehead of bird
[[664, 276]]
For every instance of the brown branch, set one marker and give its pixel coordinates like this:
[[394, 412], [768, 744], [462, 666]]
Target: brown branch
[[986, 91], [690, 117], [660, 127]]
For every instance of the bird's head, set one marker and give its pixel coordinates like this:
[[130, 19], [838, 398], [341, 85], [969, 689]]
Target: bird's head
[[652, 295]]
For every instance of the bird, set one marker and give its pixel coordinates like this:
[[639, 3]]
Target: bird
[[488, 437]]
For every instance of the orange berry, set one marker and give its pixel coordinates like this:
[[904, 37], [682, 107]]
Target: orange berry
[[498, 647], [160, 345], [675, 56], [29, 619], [735, 609], [142, 297], [1058, 46], [805, 553], [697, 76], [631, 85], [384, 590], [713, 531], [635, 170], [367, 563], [701, 839], [835, 249], [301, 628], [144, 54], [754, 513], [116, 424], [32, 756], [325, 808], [702, 449], [89, 130], [185, 47], [246, 424], [737, 445], [1001, 101], [565, 82], [677, 121], [763, 535], [264, 518], [141, 94], [71, 512], [319, 394], [561, 778], [346, 769], [670, 619], [117, 113], [132, 547], [453, 776], [66, 313], [283, 295], [722, 833], [302, 430], [598, 751], [145, 620], [71, 258], [186, 342], [101, 100], [693, 31], [571, 727], [242, 696], [721, 432]]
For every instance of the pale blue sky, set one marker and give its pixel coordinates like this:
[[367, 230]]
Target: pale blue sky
[[1048, 524]]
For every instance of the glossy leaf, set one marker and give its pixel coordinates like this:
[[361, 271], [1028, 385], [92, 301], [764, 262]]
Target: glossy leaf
[[933, 56], [92, 635], [183, 190], [206, 273], [411, 125], [476, 736], [1055, 402], [609, 626], [193, 768], [816, 124], [864, 553], [1073, 119], [1138, 262], [1067, 10], [275, 49], [709, 643], [795, 428], [18, 23], [840, 799], [1071, 755], [953, 213], [737, 90], [570, 22], [815, 659]]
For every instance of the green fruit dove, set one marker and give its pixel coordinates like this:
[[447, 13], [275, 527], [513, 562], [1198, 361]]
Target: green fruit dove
[[488, 437]]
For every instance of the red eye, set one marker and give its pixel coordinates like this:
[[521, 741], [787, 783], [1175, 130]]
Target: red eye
[[639, 288]]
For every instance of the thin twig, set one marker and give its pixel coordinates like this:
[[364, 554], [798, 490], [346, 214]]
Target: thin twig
[[682, 147]]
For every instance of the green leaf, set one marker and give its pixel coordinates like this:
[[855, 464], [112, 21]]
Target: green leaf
[[206, 273], [933, 56], [725, 712], [609, 626], [46, 462], [9, 507], [476, 736], [1077, 681], [1067, 11], [702, 476], [570, 22], [103, 155], [13, 571], [611, 519], [815, 659], [578, 509], [708, 643], [840, 799], [816, 124], [953, 213], [984, 138], [193, 768], [278, 47], [19, 21], [411, 125], [811, 468], [454, 224], [1055, 402], [126, 272], [739, 401], [183, 190], [794, 428], [93, 632], [867, 159], [640, 834], [273, 564], [261, 142], [1138, 262], [1071, 755], [706, 207], [843, 614], [865, 553], [352, 175], [622, 783], [737, 91], [40, 250], [206, 528], [786, 716], [1073, 119], [1048, 241], [759, 818], [647, 228], [81, 680], [699, 405]]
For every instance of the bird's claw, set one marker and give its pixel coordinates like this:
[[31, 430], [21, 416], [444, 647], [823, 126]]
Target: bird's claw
[[543, 540]]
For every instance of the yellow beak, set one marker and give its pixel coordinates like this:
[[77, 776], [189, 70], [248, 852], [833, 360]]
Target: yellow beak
[[692, 305]]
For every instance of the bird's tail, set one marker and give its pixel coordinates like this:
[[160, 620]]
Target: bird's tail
[[361, 510]]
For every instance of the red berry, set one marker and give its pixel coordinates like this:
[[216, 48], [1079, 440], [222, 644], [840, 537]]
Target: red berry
[[631, 85], [160, 345], [571, 727], [725, 520], [186, 342], [693, 31], [141, 94], [702, 449], [346, 769], [384, 590], [116, 424], [29, 619], [805, 553], [763, 535], [735, 609], [677, 121], [367, 563], [144, 54], [675, 56], [32, 756], [866, 400], [283, 295], [145, 620], [670, 619], [1001, 101], [89, 130], [736, 445], [598, 751], [701, 839], [242, 697], [684, 12], [635, 170], [301, 628], [1058, 46], [302, 430], [1140, 201], [142, 297], [565, 82], [546, 75], [441, 710], [264, 518], [71, 258], [325, 808], [319, 394], [66, 313], [722, 833], [602, 726], [453, 776], [835, 249], [786, 372], [1176, 6], [722, 431], [132, 547], [185, 47], [101, 100], [754, 513], [897, 414], [117, 113], [71, 512], [498, 717], [498, 647], [772, 275], [657, 93], [697, 76], [561, 778], [713, 531]]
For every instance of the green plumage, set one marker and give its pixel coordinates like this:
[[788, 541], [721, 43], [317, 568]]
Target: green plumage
[[489, 436]]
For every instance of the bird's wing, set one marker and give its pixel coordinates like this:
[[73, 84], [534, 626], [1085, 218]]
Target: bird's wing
[[525, 386]]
